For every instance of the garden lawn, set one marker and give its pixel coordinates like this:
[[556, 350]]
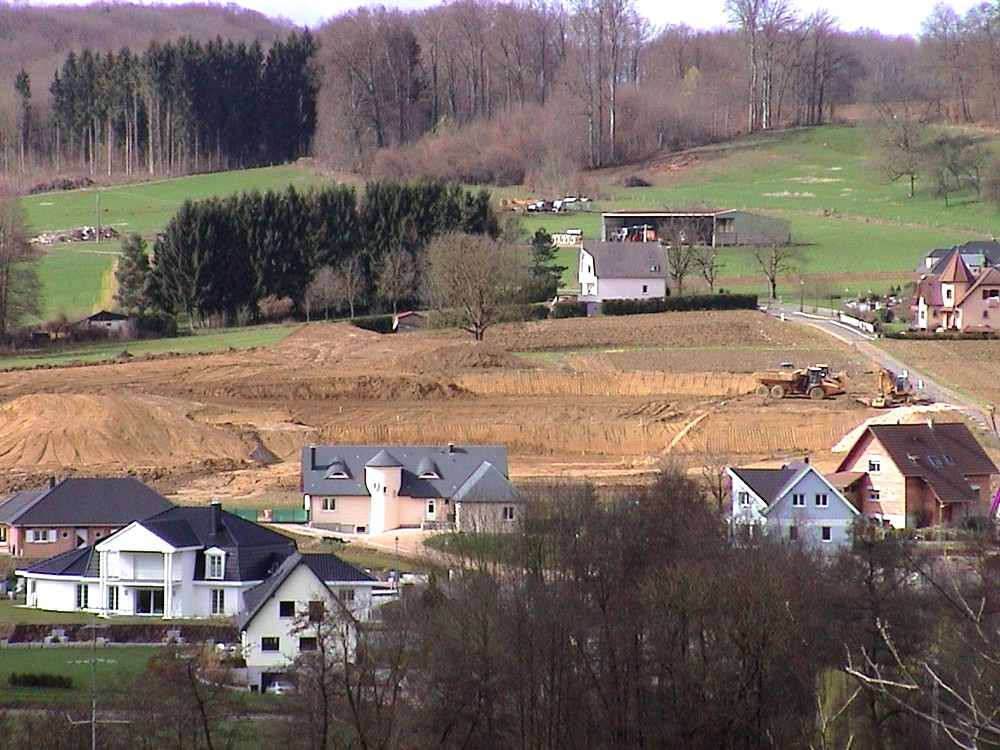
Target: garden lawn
[[114, 665]]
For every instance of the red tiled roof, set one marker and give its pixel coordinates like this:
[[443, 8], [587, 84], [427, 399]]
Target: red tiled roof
[[955, 270]]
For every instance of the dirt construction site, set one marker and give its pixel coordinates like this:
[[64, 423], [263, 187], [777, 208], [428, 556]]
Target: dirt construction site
[[608, 399]]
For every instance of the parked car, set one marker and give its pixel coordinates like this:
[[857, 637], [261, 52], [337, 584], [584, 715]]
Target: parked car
[[280, 687]]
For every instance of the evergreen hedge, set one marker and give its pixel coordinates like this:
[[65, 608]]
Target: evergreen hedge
[[376, 323], [680, 304], [40, 680]]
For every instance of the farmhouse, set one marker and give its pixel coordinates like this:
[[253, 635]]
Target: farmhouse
[[73, 513], [955, 298], [288, 613], [715, 228], [621, 270], [371, 488], [108, 322], [917, 475], [795, 502]]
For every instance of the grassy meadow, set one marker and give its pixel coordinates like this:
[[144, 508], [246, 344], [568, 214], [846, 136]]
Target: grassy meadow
[[856, 231]]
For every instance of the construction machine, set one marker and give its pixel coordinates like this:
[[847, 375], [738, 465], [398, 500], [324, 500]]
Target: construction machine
[[814, 381], [896, 390]]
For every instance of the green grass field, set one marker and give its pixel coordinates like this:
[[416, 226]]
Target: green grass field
[[847, 219], [198, 341], [114, 665]]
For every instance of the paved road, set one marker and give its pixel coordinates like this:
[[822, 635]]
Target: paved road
[[867, 345]]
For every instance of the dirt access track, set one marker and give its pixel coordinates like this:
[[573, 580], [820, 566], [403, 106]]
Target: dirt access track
[[606, 399]]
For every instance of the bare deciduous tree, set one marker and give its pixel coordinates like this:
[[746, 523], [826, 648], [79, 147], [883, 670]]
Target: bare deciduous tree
[[396, 277], [774, 261], [475, 275]]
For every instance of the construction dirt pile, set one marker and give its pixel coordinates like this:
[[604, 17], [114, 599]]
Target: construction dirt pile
[[89, 431]]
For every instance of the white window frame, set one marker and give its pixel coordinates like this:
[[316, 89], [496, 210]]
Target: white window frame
[[215, 566], [874, 494], [276, 641], [874, 465], [41, 536], [826, 533], [82, 596], [114, 596], [743, 497], [822, 500], [798, 499], [329, 504], [346, 595], [507, 513], [218, 601]]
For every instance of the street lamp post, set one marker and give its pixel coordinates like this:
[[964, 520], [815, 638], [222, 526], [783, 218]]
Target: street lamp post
[[802, 295]]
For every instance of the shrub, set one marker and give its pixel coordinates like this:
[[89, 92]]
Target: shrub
[[945, 335], [680, 304], [154, 325], [272, 307], [568, 309], [40, 680], [520, 313], [376, 323]]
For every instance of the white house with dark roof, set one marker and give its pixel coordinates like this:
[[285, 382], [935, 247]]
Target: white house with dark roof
[[795, 502], [622, 270], [307, 598], [73, 513], [369, 489], [184, 562]]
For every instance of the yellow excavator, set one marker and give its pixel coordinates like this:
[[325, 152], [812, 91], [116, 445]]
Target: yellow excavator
[[896, 390]]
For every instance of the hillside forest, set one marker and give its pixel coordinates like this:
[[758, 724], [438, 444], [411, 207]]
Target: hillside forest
[[529, 91]]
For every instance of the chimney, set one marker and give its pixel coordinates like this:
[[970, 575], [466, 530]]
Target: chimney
[[930, 424], [805, 460], [215, 517], [451, 447], [52, 482], [312, 456]]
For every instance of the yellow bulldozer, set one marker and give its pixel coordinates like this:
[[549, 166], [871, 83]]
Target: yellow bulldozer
[[896, 390]]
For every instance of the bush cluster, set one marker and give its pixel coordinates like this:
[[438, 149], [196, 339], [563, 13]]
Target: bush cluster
[[376, 323], [680, 304], [40, 680], [568, 309]]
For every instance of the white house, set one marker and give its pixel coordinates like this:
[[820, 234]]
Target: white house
[[309, 597], [622, 270], [795, 502], [183, 562]]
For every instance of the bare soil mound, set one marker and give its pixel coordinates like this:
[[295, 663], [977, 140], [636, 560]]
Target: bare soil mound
[[75, 431], [463, 355]]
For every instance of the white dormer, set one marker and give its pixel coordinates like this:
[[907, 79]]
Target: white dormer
[[215, 564]]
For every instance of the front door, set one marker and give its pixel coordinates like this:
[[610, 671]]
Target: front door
[[431, 510]]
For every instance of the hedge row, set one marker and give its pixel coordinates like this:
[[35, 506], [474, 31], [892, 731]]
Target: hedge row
[[376, 323], [569, 309], [680, 304], [40, 680], [944, 335]]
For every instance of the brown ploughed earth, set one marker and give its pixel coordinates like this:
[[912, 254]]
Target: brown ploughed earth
[[608, 399]]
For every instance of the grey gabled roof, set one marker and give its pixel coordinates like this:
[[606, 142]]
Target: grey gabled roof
[[14, 505], [327, 568], [454, 464], [627, 260], [486, 484], [75, 562], [92, 501], [767, 483]]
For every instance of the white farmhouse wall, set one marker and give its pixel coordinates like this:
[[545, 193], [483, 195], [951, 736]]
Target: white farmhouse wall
[[58, 596], [810, 520]]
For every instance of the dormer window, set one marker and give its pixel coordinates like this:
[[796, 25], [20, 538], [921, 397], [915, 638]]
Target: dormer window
[[337, 470], [429, 475], [215, 565]]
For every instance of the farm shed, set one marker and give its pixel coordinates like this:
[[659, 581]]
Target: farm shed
[[716, 228]]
